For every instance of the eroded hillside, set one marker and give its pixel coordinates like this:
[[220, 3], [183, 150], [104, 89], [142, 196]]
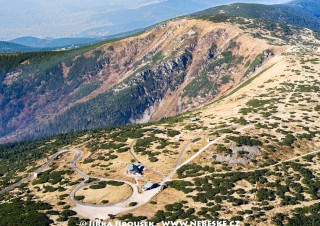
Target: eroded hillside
[[167, 70]]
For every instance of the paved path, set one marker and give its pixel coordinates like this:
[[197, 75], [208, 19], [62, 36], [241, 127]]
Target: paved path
[[43, 167], [178, 166], [258, 169]]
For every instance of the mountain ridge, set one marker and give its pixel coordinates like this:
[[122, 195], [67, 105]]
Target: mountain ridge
[[9, 47], [159, 78], [52, 43]]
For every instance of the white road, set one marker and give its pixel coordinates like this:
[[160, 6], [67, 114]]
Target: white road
[[91, 211], [261, 168]]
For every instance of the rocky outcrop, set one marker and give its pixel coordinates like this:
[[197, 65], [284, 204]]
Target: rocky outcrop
[[240, 155]]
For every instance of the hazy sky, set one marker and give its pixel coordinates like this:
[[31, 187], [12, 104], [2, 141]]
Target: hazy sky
[[62, 18]]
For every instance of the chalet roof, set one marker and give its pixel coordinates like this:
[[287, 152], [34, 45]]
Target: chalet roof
[[148, 185], [132, 167]]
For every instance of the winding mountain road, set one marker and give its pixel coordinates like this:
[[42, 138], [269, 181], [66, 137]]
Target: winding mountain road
[[43, 167], [92, 211]]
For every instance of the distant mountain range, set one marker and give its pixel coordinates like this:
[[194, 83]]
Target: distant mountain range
[[52, 43], [304, 13], [8, 47], [100, 18], [33, 44]]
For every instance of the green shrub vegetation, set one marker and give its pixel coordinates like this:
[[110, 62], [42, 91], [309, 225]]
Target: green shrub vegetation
[[245, 140], [24, 213], [100, 185], [288, 140]]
